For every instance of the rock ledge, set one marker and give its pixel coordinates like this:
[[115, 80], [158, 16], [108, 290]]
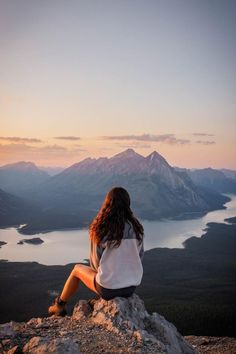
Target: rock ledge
[[116, 326]]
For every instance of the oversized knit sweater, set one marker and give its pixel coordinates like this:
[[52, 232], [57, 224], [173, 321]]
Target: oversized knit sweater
[[118, 267]]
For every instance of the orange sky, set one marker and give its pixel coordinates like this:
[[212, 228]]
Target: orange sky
[[188, 151], [159, 75]]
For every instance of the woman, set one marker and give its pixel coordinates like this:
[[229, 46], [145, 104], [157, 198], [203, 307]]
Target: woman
[[116, 252]]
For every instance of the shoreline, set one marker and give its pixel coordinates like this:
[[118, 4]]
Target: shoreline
[[231, 221], [192, 215], [45, 231]]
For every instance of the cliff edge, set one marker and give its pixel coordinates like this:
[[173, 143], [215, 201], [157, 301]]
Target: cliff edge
[[96, 326]]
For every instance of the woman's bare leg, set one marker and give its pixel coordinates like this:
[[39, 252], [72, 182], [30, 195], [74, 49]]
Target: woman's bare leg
[[79, 273]]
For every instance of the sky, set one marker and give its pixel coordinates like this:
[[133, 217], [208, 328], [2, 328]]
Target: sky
[[92, 78]]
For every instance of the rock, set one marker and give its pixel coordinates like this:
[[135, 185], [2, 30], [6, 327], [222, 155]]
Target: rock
[[81, 310], [5, 341], [39, 345], [121, 315], [8, 330], [35, 321], [15, 350], [213, 345], [97, 326]]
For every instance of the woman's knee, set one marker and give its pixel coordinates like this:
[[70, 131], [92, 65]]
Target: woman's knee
[[76, 269], [79, 269]]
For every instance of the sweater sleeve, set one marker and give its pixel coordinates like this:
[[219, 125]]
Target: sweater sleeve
[[95, 255], [141, 252]]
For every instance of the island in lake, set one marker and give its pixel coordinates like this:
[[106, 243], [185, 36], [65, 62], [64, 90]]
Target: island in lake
[[32, 241], [2, 243]]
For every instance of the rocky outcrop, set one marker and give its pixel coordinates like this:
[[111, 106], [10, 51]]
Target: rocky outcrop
[[116, 326], [130, 316]]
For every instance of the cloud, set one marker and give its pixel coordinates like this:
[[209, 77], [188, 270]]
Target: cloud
[[28, 151], [15, 148], [206, 142], [24, 148], [162, 138], [67, 138], [75, 150], [22, 140], [135, 146], [50, 149], [203, 134]]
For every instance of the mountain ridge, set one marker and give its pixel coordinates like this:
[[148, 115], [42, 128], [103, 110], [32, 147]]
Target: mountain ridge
[[17, 178], [157, 190]]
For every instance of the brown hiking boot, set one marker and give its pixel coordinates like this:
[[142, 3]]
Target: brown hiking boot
[[58, 308]]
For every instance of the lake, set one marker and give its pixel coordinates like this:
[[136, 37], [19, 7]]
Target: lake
[[63, 247]]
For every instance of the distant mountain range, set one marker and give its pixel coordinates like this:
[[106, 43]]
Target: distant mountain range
[[223, 181], [229, 173], [72, 197], [14, 210], [18, 177]]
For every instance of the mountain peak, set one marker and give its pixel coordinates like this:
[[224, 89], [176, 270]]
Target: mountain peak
[[128, 153], [155, 156], [21, 165]]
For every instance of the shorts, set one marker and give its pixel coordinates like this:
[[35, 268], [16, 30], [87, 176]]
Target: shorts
[[108, 294]]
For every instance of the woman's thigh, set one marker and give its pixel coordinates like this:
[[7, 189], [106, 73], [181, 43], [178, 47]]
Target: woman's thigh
[[86, 274]]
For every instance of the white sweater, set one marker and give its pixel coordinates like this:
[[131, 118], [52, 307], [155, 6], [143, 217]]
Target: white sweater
[[118, 267]]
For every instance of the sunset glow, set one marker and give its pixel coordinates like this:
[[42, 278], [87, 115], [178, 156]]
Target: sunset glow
[[91, 79]]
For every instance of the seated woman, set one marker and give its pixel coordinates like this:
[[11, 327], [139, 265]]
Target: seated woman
[[116, 252]]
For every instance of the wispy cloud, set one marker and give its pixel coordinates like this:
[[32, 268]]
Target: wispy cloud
[[162, 138], [135, 146], [24, 148], [51, 149], [203, 134], [67, 138], [206, 142], [33, 151], [20, 140]]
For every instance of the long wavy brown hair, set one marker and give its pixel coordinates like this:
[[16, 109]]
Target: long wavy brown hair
[[111, 218]]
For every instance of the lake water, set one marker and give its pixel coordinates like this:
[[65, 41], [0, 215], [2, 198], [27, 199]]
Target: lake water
[[63, 247]]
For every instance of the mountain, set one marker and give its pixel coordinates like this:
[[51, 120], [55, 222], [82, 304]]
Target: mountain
[[14, 210], [229, 173], [18, 177], [156, 189], [214, 180], [51, 170]]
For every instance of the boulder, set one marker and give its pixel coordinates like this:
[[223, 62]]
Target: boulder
[[98, 326], [129, 315]]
